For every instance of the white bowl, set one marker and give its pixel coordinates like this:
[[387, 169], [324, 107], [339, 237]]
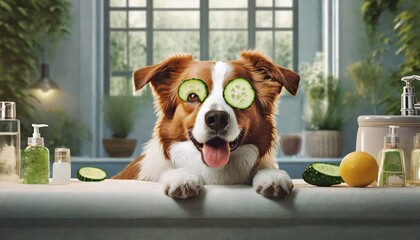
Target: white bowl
[[373, 129]]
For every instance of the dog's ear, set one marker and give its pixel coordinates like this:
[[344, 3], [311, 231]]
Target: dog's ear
[[271, 71], [161, 72], [163, 77]]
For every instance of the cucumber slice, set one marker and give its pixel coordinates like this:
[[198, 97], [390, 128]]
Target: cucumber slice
[[91, 174], [192, 86], [322, 174], [238, 93]]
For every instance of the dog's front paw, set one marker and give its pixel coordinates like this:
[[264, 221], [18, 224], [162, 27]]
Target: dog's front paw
[[181, 185], [272, 183]]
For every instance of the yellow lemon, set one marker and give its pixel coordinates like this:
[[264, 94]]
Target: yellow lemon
[[359, 169]]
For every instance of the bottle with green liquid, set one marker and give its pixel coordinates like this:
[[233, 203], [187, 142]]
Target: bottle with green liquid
[[35, 159], [391, 167]]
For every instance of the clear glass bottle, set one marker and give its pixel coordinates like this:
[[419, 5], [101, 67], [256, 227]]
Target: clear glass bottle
[[9, 143], [61, 166], [415, 161], [35, 159], [392, 166]]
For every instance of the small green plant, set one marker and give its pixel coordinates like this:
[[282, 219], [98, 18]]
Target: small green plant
[[325, 108], [120, 113]]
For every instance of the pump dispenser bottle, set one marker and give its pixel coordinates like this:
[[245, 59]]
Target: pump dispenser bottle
[[415, 161], [35, 159], [391, 167]]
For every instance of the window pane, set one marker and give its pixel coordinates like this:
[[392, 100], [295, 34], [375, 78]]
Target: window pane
[[137, 50], [284, 3], [180, 42], [284, 19], [228, 19], [118, 19], [264, 19], [176, 19], [264, 3], [226, 45], [264, 42], [117, 3], [137, 3], [228, 4], [120, 86], [284, 48], [176, 4], [118, 51], [137, 19]]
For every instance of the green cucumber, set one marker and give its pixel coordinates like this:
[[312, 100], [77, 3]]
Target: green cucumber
[[192, 86], [238, 93], [322, 174], [91, 174]]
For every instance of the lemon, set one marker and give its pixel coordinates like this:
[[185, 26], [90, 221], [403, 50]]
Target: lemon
[[359, 169]]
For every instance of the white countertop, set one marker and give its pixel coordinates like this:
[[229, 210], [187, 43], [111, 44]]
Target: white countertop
[[119, 203]]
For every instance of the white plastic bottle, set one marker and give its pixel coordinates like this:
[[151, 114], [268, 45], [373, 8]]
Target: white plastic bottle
[[61, 166]]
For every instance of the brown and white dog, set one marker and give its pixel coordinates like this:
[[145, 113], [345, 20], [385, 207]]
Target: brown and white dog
[[234, 147]]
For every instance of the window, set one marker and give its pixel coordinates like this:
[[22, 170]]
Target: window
[[143, 32]]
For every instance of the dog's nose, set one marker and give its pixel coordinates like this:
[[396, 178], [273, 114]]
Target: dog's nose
[[217, 120]]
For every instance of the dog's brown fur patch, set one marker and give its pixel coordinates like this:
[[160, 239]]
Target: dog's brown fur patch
[[131, 171]]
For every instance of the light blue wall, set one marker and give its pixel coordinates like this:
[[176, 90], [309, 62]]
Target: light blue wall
[[310, 41], [353, 47], [352, 40], [78, 70]]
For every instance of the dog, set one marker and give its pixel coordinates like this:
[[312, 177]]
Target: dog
[[201, 140]]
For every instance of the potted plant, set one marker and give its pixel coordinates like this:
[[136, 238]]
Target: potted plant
[[324, 110], [120, 113]]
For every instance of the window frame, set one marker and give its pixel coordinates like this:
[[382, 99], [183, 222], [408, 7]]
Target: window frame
[[204, 32]]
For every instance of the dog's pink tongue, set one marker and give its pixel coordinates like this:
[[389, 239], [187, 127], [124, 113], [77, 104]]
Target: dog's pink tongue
[[216, 153]]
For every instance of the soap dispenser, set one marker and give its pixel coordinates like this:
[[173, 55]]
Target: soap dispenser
[[391, 167], [415, 161], [35, 159]]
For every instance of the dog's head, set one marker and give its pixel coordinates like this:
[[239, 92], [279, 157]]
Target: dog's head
[[194, 104]]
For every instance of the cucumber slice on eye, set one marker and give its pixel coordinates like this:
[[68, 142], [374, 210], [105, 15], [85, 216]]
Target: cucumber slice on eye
[[238, 93], [192, 86]]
